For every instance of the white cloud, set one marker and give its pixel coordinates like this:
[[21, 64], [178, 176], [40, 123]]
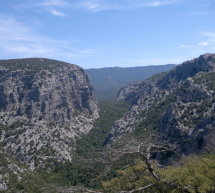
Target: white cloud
[[209, 34], [92, 5], [49, 5], [40, 3], [57, 13], [158, 3], [95, 5], [207, 45], [102, 5], [202, 44], [20, 32], [28, 50], [185, 46], [23, 41], [53, 3], [210, 40]]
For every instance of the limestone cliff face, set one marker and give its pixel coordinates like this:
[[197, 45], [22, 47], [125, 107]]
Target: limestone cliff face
[[44, 105], [180, 104]]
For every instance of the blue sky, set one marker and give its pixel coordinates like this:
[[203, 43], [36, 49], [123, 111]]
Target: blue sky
[[101, 33]]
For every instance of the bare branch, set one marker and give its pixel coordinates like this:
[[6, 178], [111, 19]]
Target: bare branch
[[145, 148], [138, 189]]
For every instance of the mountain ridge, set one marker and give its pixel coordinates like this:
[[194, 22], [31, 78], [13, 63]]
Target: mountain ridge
[[77, 151], [179, 104], [107, 81]]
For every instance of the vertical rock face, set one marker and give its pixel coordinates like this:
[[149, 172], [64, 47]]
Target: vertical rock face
[[44, 105], [179, 104]]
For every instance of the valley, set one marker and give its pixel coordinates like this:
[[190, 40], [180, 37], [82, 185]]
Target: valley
[[157, 135], [108, 81]]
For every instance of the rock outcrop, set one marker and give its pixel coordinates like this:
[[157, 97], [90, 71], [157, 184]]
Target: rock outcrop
[[179, 104], [44, 105]]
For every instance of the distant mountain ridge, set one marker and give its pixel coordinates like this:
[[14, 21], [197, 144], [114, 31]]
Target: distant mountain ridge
[[107, 81]]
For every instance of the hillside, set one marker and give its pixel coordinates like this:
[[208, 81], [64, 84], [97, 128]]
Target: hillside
[[44, 105], [179, 105], [107, 81], [157, 137]]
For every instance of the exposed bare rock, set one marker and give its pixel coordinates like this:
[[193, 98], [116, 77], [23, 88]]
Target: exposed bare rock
[[179, 104], [44, 105]]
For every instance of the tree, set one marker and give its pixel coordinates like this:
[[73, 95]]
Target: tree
[[143, 148]]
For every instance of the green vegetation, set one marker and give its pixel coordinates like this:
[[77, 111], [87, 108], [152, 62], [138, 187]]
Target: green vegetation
[[129, 178], [206, 79], [197, 174], [108, 81], [154, 114], [127, 173], [34, 64], [82, 171], [93, 141]]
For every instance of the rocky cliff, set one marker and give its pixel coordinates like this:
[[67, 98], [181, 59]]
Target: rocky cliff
[[179, 104], [44, 105]]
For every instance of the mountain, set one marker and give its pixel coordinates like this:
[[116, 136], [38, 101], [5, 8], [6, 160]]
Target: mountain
[[44, 106], [52, 139], [179, 105], [107, 81]]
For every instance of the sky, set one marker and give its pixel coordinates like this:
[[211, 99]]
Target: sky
[[106, 33]]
